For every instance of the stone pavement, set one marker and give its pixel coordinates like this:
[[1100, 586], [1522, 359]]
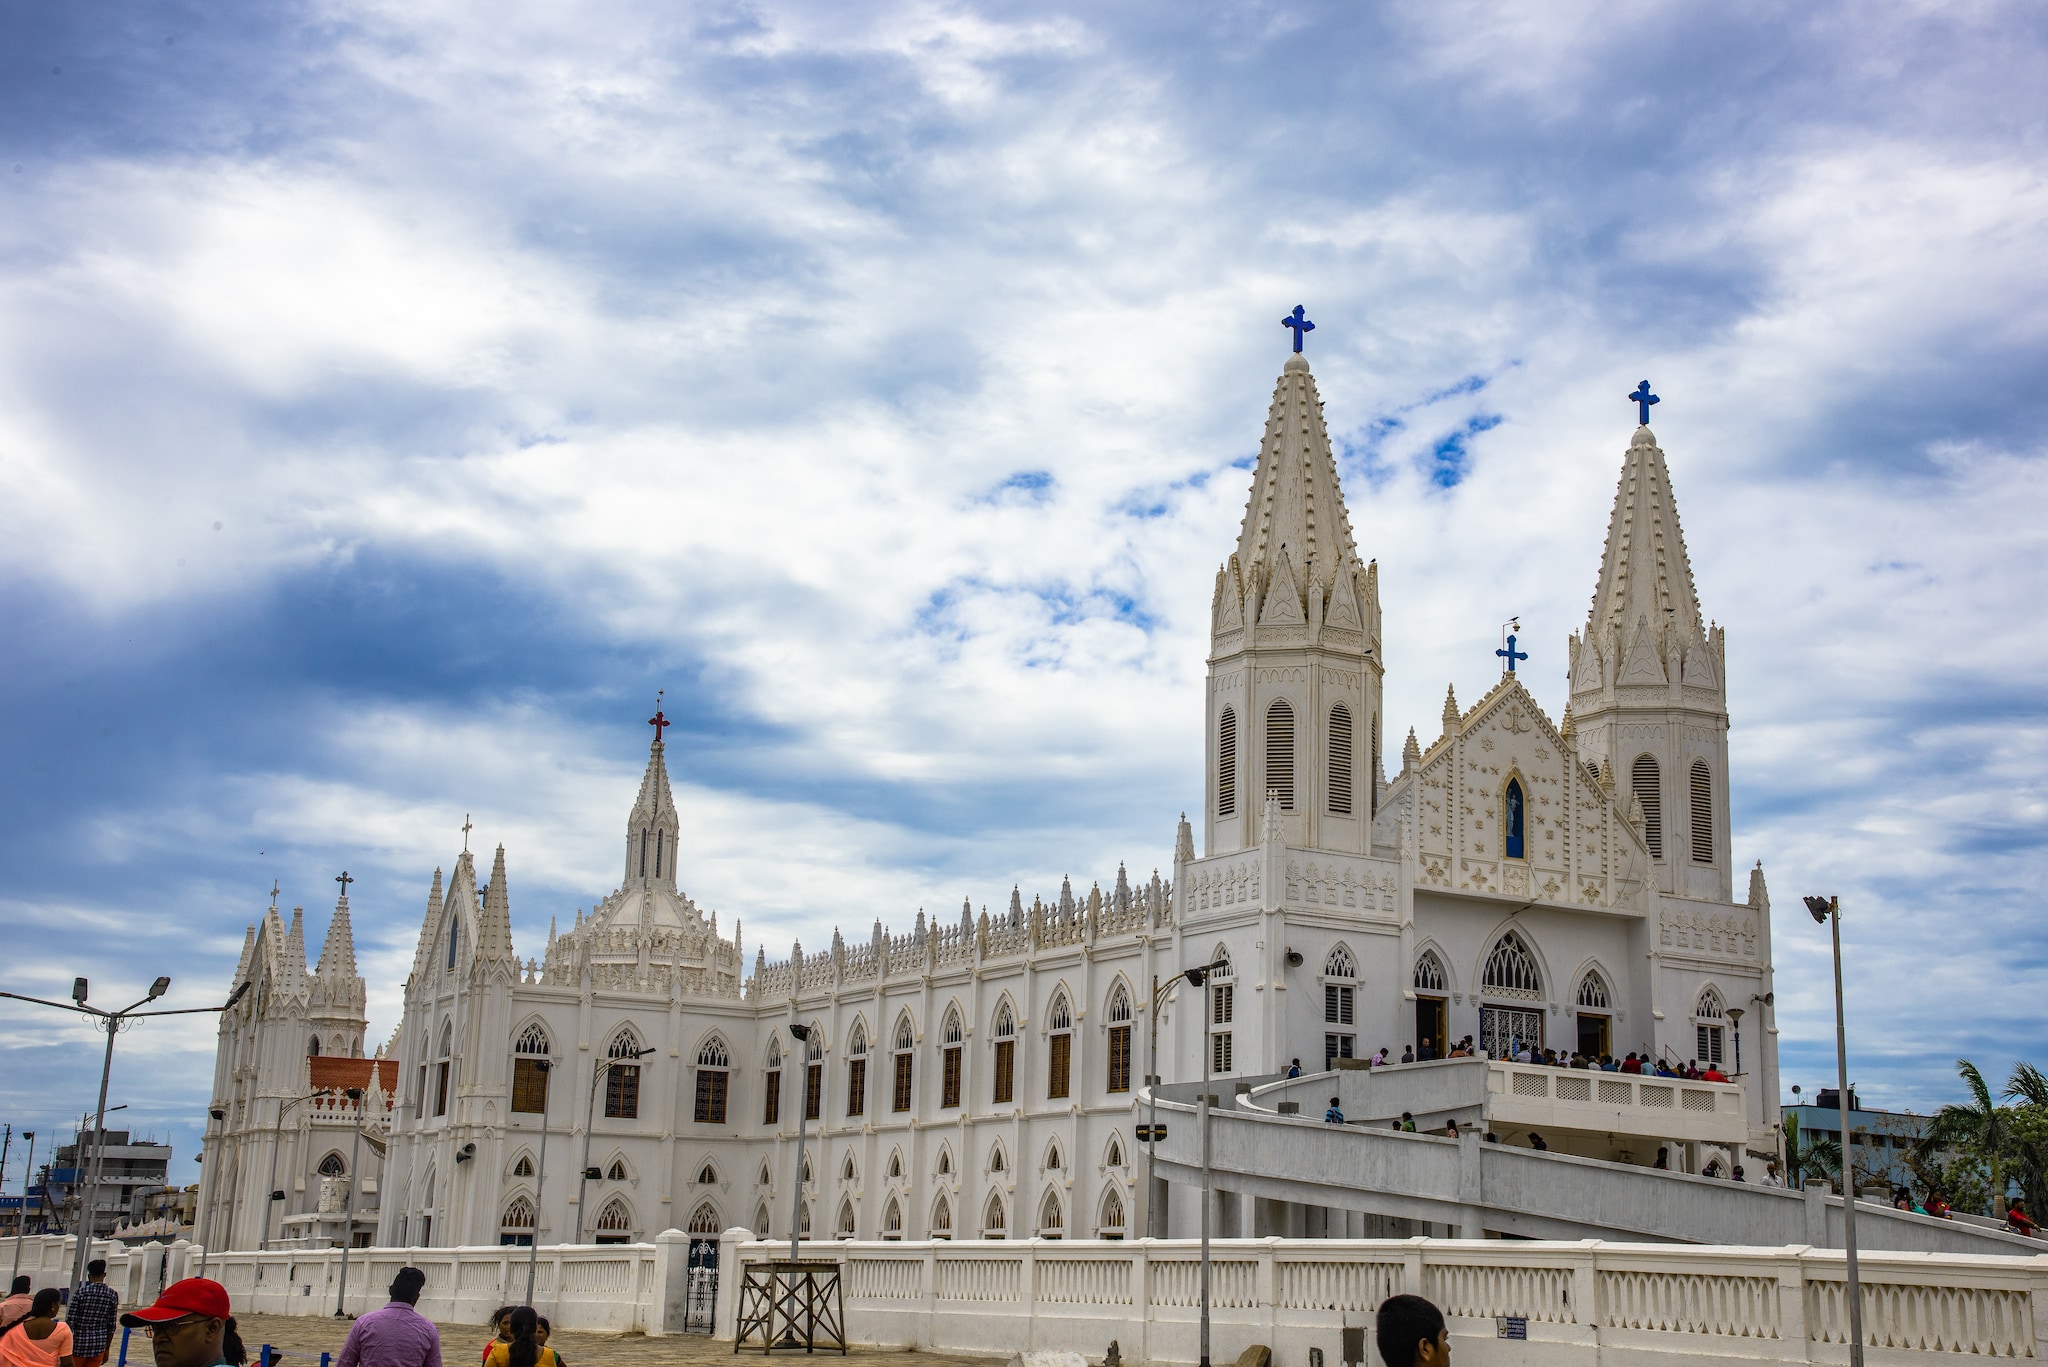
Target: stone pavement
[[462, 1345]]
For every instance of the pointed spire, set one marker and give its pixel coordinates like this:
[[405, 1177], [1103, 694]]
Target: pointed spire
[[1645, 574], [1066, 897], [1451, 710], [1759, 895], [1567, 728], [652, 826], [1016, 906], [338, 954], [1296, 499], [1183, 843], [1122, 896], [494, 928], [295, 941], [1411, 751]]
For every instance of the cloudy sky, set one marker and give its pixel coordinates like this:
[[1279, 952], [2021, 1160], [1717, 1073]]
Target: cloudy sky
[[393, 397]]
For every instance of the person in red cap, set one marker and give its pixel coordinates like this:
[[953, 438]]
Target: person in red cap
[[189, 1326]]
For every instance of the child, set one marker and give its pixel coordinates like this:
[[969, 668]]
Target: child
[[542, 1336], [523, 1348], [499, 1332], [1410, 1332]]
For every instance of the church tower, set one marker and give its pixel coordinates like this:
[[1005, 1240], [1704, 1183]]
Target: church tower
[[1294, 667], [1648, 693], [653, 826]]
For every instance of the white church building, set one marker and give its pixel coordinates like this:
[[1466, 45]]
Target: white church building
[[1563, 884]]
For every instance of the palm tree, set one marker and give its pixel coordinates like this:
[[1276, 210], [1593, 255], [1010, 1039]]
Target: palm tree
[[1981, 1128], [2027, 1139], [1817, 1158]]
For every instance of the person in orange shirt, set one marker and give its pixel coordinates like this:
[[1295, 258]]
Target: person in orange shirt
[[41, 1339]]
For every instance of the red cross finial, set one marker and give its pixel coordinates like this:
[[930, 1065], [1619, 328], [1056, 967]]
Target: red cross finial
[[658, 721]]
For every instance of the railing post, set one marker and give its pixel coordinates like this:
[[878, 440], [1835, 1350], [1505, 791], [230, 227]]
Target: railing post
[[1585, 1286], [1792, 1302], [1141, 1298], [1412, 1256], [1268, 1285], [1027, 1292]]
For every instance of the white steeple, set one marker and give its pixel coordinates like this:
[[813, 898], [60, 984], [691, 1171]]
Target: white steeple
[[652, 826], [1294, 668], [1648, 702]]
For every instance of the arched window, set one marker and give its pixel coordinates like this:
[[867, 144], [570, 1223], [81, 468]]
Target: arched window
[[615, 1222], [1005, 1035], [454, 939], [892, 1220], [516, 1227], [617, 1172], [643, 851], [704, 1219], [951, 1048], [1222, 1011], [1593, 992], [1512, 818], [761, 1219], [524, 1167], [1372, 777], [992, 1221], [771, 1093], [1052, 1156], [1511, 970], [714, 1082], [333, 1166], [945, 1161], [998, 1161], [1060, 1047], [814, 1073], [1052, 1221], [857, 1070], [847, 1171], [1341, 760], [622, 1078], [1110, 1223], [764, 1178], [707, 1176], [942, 1218], [896, 1165], [1702, 813], [1114, 1157], [1226, 764], [660, 838], [1429, 973], [313, 1047], [530, 1069], [444, 1067], [1649, 786], [803, 1223], [1340, 1005], [1340, 964], [807, 1171], [1120, 1039], [844, 1226], [1710, 1019], [1280, 753], [906, 1041]]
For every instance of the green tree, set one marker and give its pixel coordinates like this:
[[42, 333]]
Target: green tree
[[2027, 1138], [1979, 1128], [1818, 1158]]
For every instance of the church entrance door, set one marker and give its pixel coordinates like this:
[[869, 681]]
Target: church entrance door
[[1431, 1025], [1504, 1029], [1594, 1036]]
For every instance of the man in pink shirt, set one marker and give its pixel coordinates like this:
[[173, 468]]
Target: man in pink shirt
[[397, 1335]]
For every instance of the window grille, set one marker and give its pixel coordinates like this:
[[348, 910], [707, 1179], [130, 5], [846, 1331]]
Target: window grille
[[857, 1087], [1057, 1082], [949, 1077], [1593, 992], [1339, 1006], [1429, 974], [1280, 753], [1119, 1058], [1340, 964], [1219, 1052], [533, 1040], [1648, 783], [1340, 760], [1226, 764]]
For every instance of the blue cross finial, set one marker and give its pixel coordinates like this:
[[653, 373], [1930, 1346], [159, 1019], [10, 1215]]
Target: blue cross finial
[[1299, 323], [1510, 654], [1643, 399]]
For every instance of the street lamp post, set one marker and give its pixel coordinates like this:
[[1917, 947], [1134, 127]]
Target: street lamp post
[[803, 1109], [1828, 911], [276, 1196], [111, 1022], [1160, 992], [589, 1121], [27, 1175], [540, 1175], [1199, 977], [1735, 1016], [348, 1219]]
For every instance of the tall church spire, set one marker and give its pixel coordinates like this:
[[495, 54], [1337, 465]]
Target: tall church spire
[[338, 954], [1648, 702], [653, 826], [494, 925], [1294, 663]]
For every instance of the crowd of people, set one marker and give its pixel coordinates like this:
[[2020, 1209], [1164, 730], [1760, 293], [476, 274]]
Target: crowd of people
[[191, 1325], [1520, 1051]]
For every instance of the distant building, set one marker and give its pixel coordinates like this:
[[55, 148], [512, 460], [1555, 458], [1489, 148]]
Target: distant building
[[1880, 1140], [127, 1166]]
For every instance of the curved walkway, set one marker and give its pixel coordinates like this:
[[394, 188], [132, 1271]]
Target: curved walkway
[[1480, 1188]]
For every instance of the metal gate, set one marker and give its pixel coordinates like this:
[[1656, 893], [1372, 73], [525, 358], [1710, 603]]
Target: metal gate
[[701, 1296]]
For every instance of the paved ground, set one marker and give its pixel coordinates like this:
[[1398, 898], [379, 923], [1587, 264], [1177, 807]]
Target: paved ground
[[462, 1346]]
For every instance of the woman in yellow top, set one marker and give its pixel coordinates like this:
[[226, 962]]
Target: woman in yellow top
[[524, 1348], [40, 1340]]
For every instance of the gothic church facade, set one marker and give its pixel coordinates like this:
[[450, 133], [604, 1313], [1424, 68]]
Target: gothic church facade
[[1561, 883]]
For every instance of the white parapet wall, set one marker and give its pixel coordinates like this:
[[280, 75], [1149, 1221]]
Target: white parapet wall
[[1586, 1304]]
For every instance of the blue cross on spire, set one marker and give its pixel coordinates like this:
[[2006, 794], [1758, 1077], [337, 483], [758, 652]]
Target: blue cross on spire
[[1510, 654], [1643, 399], [1299, 322]]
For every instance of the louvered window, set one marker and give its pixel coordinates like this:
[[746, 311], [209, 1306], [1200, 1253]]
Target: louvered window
[[1060, 1071], [1340, 760], [814, 1090], [771, 1103], [1650, 792], [900, 1096], [1226, 764], [530, 1085], [1280, 754], [1339, 1004], [1702, 813], [1006, 1071], [1119, 1058], [857, 1087]]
